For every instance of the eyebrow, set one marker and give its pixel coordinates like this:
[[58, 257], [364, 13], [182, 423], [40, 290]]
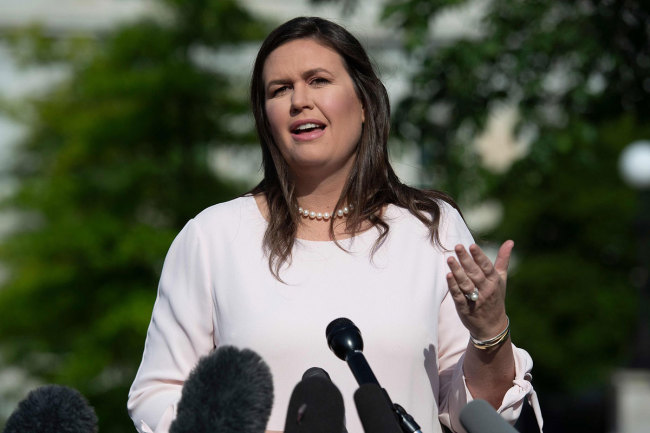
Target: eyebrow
[[304, 75]]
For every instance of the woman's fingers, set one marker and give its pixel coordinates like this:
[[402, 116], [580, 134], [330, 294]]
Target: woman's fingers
[[460, 277], [460, 295], [454, 288], [479, 267], [503, 257], [472, 270], [476, 264]]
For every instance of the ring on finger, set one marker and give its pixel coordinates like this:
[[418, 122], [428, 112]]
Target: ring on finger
[[473, 297]]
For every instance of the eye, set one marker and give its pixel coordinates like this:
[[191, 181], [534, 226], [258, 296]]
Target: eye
[[279, 91], [319, 81]]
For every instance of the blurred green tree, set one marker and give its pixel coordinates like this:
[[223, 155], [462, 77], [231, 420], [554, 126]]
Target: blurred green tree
[[114, 161], [577, 75], [574, 80]]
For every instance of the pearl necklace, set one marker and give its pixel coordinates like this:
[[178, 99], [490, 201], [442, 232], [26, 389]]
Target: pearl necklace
[[306, 213]]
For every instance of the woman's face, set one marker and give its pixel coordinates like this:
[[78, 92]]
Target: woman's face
[[314, 112]]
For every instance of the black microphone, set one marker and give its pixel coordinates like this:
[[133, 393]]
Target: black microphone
[[229, 390], [375, 410], [315, 372], [478, 416], [319, 372], [316, 405], [53, 409], [344, 339]]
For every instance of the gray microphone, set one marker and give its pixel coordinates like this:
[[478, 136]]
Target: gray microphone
[[478, 416], [228, 391], [53, 409]]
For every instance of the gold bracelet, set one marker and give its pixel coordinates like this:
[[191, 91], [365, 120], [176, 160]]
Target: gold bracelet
[[486, 344]]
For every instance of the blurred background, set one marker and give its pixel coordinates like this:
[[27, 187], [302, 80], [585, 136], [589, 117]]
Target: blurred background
[[122, 119]]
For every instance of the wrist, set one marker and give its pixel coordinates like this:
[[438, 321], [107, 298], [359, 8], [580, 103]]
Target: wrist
[[490, 329], [495, 341]]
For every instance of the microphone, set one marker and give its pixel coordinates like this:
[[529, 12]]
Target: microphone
[[53, 409], [478, 416], [315, 372], [319, 372], [229, 390], [344, 339], [316, 405], [374, 409]]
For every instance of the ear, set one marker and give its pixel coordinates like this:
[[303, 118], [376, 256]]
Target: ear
[[363, 114]]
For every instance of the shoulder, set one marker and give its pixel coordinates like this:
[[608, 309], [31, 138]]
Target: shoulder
[[449, 214], [451, 226], [218, 228], [225, 221], [227, 212]]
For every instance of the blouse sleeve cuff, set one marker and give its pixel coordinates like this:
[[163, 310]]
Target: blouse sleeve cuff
[[522, 387], [513, 400]]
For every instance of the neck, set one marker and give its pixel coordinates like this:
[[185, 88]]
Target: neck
[[321, 194]]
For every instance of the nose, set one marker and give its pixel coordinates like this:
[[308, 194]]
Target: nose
[[300, 99]]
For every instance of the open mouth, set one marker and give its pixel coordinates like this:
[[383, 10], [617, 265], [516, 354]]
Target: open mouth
[[307, 127]]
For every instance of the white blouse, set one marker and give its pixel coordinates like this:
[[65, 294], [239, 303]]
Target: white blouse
[[216, 288]]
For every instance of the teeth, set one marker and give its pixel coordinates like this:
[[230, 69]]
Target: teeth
[[306, 126]]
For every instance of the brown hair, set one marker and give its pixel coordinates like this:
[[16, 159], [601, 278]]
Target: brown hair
[[372, 182]]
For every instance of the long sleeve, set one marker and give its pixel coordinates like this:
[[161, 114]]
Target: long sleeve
[[180, 332], [216, 289], [453, 339], [454, 394]]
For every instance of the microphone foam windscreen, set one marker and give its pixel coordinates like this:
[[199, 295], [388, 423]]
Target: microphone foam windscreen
[[53, 409], [478, 416], [316, 406], [374, 409], [230, 390]]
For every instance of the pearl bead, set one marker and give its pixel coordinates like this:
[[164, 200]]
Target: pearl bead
[[324, 216]]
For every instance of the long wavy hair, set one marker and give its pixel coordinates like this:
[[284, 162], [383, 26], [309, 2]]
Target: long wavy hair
[[372, 183]]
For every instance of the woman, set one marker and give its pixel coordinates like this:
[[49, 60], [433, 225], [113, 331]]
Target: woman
[[331, 232]]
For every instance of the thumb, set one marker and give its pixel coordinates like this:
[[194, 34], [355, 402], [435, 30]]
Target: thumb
[[503, 257]]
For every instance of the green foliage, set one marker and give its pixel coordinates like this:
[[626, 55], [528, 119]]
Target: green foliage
[[114, 162], [577, 71]]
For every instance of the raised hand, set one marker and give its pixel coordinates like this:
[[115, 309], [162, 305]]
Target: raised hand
[[484, 317]]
